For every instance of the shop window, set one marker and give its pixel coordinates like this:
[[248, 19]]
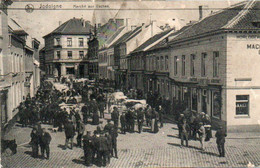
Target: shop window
[[216, 104], [242, 105]]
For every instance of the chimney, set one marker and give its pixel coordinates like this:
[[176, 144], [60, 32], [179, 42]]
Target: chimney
[[128, 24], [200, 13], [133, 27]]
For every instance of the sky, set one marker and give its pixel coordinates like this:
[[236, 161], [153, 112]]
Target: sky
[[44, 18]]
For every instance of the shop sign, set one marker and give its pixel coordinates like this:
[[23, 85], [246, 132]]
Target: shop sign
[[253, 47]]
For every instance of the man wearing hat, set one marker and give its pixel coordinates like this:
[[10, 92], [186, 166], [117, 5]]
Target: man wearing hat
[[69, 133], [88, 148], [123, 123], [201, 133], [220, 135], [81, 130]]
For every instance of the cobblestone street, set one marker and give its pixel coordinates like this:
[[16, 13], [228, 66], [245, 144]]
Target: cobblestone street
[[142, 150]]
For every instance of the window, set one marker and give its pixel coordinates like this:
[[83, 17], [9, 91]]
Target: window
[[157, 63], [162, 62], [183, 65], [215, 64], [166, 62], [57, 41], [58, 54], [242, 105], [203, 64], [192, 65], [69, 42], [175, 65], [81, 54], [81, 42], [70, 54]]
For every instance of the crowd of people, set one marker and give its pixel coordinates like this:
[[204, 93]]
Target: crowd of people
[[100, 145]]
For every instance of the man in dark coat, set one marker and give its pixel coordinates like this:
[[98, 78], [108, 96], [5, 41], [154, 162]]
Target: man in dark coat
[[220, 135], [131, 121], [115, 116], [34, 142], [161, 113], [114, 142], [85, 110], [88, 149], [140, 119], [69, 133], [45, 143], [184, 132], [109, 127], [123, 123], [102, 150], [81, 130]]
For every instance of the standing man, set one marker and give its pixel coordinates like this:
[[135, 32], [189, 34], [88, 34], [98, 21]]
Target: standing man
[[220, 135], [84, 110], [123, 123], [88, 149], [140, 119], [115, 116], [184, 133], [45, 143], [69, 133], [201, 133], [34, 143], [81, 130], [161, 113], [114, 142]]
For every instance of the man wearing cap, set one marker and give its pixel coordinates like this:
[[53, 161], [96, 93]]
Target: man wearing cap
[[108, 127], [45, 140], [220, 135], [180, 123], [115, 116]]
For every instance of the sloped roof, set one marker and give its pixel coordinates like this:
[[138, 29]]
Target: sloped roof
[[163, 43], [152, 40], [73, 26], [127, 36], [245, 21], [238, 16], [115, 35]]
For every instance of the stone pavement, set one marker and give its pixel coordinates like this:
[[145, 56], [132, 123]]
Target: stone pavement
[[140, 150]]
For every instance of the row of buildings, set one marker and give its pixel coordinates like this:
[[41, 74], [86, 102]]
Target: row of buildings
[[211, 65], [19, 65]]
